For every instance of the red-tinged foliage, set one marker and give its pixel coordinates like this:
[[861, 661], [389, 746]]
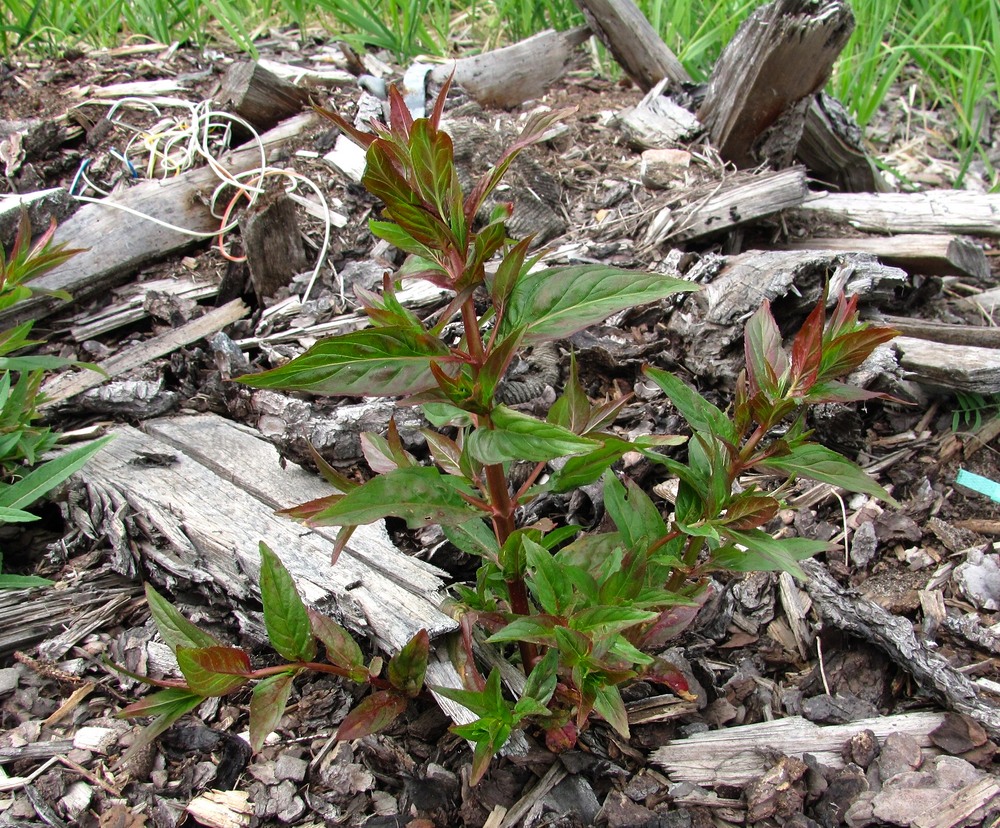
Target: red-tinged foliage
[[375, 713]]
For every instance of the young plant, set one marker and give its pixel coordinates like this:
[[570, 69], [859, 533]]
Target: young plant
[[22, 442], [211, 668], [579, 611]]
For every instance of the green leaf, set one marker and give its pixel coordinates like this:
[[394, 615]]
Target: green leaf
[[175, 630], [609, 620], [407, 668], [637, 518], [552, 591], [421, 496], [608, 702], [285, 616], [541, 684], [214, 671], [45, 478], [539, 630], [474, 537], [369, 363], [341, 648], [518, 436], [8, 515], [766, 553], [267, 705], [820, 463], [8, 581], [556, 302], [168, 706], [699, 413], [375, 713]]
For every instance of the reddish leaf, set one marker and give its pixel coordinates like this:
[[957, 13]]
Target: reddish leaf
[[374, 714], [309, 510], [341, 648], [766, 360], [400, 119], [807, 348], [663, 672], [214, 671], [268, 705], [750, 511], [408, 666], [561, 739]]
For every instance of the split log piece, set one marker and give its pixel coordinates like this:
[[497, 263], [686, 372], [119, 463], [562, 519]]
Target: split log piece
[[621, 26], [964, 335], [950, 367], [848, 611], [272, 244], [938, 255], [307, 76], [207, 529], [736, 200], [763, 82], [70, 383], [934, 211], [259, 96], [513, 74], [960, 805], [709, 328], [657, 122], [127, 241], [735, 756], [833, 151]]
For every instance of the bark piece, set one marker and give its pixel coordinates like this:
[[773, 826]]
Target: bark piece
[[960, 805], [736, 200], [709, 330], [762, 84], [657, 122], [832, 149], [127, 241], [71, 383], [42, 206], [509, 76], [272, 244], [208, 526], [736, 755], [939, 255], [934, 211], [953, 367], [259, 96], [621, 26], [894, 635]]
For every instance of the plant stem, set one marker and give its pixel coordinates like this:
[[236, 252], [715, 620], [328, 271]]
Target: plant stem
[[678, 576]]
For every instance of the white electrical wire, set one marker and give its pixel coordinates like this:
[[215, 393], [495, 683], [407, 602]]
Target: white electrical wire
[[174, 145]]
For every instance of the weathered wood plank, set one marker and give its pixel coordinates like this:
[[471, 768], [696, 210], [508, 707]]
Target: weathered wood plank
[[736, 755], [736, 200], [935, 211], [953, 367], [832, 149], [119, 243], [214, 442], [762, 84], [621, 26], [208, 529], [940, 255], [260, 96]]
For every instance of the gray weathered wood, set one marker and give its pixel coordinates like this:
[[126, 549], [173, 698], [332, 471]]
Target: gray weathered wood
[[853, 614], [964, 335], [621, 26], [42, 206], [737, 199], [119, 243], [657, 122], [513, 74], [832, 149], [935, 211], [709, 328], [952, 367], [736, 755], [914, 252], [205, 530], [259, 96], [960, 805], [762, 83], [70, 383]]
